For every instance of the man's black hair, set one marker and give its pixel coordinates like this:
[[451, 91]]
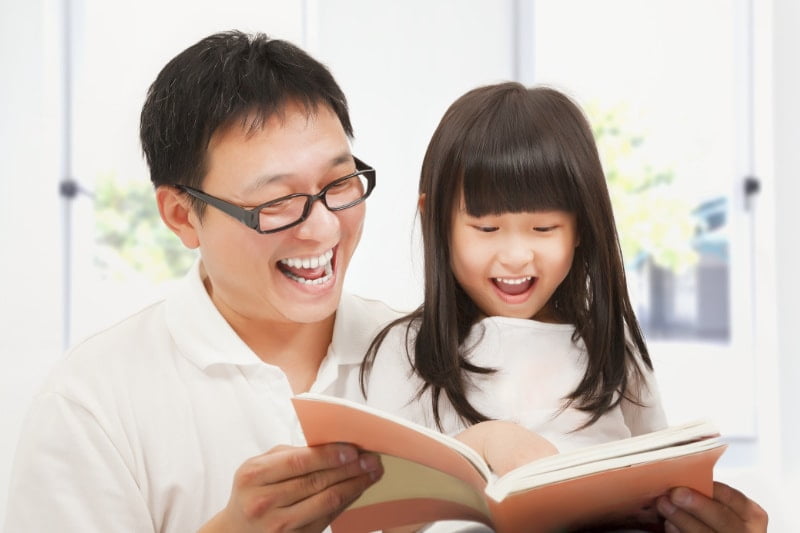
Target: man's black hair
[[227, 77]]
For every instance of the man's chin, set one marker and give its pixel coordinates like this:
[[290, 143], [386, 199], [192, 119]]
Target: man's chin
[[314, 307], [301, 316]]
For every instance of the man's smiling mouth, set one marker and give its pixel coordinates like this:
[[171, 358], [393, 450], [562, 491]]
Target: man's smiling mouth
[[308, 270]]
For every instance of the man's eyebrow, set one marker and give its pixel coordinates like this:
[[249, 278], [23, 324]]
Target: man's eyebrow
[[265, 180]]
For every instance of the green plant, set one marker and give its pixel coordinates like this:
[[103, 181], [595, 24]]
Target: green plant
[[129, 227], [653, 220]]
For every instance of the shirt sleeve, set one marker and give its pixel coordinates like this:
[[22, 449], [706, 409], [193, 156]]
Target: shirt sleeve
[[69, 477]]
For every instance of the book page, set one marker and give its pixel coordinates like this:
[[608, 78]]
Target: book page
[[685, 433], [621, 497], [326, 419], [525, 480], [403, 479]]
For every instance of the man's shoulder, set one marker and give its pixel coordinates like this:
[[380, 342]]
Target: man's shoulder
[[116, 348], [135, 329], [369, 310], [358, 320]]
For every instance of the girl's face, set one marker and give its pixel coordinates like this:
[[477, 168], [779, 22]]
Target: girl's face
[[511, 264]]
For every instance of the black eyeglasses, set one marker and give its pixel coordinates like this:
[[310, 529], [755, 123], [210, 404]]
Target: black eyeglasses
[[287, 211]]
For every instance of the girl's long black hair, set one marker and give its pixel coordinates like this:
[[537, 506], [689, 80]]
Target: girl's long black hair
[[509, 148]]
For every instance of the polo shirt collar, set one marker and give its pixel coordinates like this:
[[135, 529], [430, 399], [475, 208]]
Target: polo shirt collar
[[198, 328], [205, 338]]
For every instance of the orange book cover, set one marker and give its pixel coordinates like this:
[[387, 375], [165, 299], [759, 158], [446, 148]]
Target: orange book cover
[[430, 477]]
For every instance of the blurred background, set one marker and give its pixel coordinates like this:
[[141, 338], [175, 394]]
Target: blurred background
[[693, 103]]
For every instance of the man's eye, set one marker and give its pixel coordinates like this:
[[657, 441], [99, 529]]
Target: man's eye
[[341, 184], [276, 207]]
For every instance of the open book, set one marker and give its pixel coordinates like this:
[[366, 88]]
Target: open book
[[429, 476]]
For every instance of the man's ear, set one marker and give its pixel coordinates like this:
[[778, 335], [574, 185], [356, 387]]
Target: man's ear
[[421, 203], [176, 212]]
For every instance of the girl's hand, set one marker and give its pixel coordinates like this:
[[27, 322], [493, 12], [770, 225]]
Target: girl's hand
[[295, 489], [506, 445], [730, 511]]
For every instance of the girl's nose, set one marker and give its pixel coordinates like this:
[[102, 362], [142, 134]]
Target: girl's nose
[[515, 253]]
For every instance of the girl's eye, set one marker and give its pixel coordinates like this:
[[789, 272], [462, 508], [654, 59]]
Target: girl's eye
[[544, 229], [486, 229]]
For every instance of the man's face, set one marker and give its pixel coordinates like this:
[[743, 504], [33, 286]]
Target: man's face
[[261, 277]]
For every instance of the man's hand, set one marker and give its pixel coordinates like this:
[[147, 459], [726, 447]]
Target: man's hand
[[730, 511], [295, 489]]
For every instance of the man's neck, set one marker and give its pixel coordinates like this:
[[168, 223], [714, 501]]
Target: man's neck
[[298, 349]]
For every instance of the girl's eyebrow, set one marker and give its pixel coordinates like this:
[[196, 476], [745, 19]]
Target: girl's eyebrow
[[265, 180]]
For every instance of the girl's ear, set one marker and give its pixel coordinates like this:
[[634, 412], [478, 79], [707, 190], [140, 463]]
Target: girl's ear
[[176, 212], [421, 203]]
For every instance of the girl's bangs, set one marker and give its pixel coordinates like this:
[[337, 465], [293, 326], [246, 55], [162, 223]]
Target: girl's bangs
[[515, 174]]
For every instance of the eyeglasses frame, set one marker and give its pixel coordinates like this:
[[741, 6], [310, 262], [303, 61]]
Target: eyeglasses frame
[[250, 216]]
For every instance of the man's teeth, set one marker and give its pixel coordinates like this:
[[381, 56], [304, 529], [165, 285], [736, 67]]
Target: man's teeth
[[318, 281], [323, 260], [309, 262], [515, 281]]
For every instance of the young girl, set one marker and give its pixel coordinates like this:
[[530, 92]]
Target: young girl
[[526, 316]]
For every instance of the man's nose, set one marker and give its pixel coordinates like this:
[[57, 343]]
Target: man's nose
[[320, 223]]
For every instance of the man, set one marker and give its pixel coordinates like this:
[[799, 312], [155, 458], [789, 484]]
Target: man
[[143, 426], [179, 419]]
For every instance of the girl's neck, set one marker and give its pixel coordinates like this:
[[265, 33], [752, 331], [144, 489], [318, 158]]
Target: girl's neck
[[550, 315], [546, 315]]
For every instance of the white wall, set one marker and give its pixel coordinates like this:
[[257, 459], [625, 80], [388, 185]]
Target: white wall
[[786, 138], [30, 217], [32, 152], [410, 61]]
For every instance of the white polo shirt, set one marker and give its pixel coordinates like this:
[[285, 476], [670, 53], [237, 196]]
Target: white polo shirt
[[142, 426]]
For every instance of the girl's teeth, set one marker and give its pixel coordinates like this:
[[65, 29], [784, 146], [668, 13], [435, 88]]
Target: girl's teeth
[[515, 281]]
